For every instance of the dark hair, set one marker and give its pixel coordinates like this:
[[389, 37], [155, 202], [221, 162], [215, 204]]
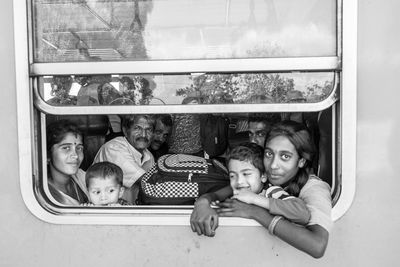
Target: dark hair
[[106, 93], [61, 83], [259, 119], [56, 132], [249, 152], [165, 119], [190, 99], [129, 120], [128, 81], [104, 170], [299, 136]]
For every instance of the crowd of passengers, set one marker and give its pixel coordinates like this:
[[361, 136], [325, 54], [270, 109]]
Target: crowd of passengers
[[271, 175]]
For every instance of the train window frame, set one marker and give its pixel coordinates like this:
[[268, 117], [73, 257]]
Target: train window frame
[[29, 140]]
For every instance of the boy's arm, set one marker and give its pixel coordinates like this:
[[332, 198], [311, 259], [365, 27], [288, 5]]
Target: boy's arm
[[290, 207], [294, 209], [250, 197], [204, 219], [219, 195], [278, 202], [261, 201]]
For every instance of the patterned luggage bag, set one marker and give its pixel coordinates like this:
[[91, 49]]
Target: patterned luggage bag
[[179, 179]]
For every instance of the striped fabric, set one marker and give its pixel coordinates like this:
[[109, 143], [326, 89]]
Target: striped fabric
[[277, 192]]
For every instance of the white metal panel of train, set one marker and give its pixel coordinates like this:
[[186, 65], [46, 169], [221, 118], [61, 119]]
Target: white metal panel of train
[[331, 63]]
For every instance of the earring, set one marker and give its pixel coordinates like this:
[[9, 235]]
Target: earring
[[302, 162], [264, 177]]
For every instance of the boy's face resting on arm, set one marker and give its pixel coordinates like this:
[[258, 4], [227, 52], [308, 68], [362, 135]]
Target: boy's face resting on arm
[[245, 178]]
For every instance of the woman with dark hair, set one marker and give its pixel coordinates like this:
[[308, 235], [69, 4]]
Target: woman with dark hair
[[64, 155], [288, 155]]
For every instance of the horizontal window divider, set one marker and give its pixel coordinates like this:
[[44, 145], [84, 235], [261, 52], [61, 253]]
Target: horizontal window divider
[[287, 64], [202, 108]]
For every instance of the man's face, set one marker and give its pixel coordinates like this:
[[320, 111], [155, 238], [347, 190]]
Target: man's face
[[140, 134], [160, 136], [257, 133]]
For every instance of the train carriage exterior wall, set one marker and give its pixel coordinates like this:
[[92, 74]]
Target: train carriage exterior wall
[[367, 235]]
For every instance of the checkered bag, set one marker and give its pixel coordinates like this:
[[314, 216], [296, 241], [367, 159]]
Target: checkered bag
[[179, 179]]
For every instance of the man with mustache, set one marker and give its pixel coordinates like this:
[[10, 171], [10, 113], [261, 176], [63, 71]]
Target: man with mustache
[[159, 145], [258, 129], [130, 151]]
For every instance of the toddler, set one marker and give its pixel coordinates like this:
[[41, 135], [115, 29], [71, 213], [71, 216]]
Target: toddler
[[104, 184]]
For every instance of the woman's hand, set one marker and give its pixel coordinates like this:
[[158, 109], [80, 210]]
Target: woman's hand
[[204, 219]]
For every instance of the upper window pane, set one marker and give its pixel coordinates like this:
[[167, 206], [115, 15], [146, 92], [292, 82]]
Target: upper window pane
[[237, 88], [100, 30]]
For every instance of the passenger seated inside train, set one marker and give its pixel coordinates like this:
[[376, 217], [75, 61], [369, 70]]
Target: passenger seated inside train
[[64, 157], [287, 157], [162, 132], [104, 184]]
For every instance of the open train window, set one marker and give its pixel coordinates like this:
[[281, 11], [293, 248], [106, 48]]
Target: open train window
[[274, 58]]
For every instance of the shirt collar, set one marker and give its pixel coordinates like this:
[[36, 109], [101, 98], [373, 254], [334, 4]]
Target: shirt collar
[[137, 155]]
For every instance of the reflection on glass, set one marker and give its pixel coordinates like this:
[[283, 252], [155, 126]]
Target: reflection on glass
[[93, 30], [244, 88]]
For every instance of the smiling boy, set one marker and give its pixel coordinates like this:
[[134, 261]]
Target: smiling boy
[[248, 178]]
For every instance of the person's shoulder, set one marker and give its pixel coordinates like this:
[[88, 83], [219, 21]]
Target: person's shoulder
[[148, 154], [80, 172], [119, 141], [79, 178], [79, 175], [315, 182]]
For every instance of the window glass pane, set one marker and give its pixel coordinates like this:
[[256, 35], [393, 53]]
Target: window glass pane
[[93, 30], [308, 87], [183, 136]]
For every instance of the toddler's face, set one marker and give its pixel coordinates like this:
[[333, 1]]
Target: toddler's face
[[245, 176], [104, 191]]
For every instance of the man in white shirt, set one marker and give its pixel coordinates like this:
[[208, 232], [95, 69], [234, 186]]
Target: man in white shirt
[[130, 151]]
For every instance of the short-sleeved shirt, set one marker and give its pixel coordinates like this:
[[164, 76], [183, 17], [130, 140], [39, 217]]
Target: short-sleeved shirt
[[120, 152], [317, 196]]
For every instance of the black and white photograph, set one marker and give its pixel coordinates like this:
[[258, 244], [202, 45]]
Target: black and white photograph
[[199, 133]]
